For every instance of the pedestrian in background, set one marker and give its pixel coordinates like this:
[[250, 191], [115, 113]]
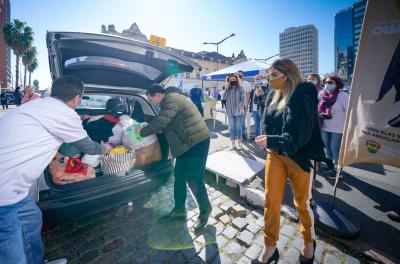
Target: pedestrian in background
[[235, 109], [3, 99], [316, 80], [247, 91], [223, 101], [196, 95], [31, 137], [17, 96], [189, 140], [257, 102], [332, 110], [292, 139], [30, 95]]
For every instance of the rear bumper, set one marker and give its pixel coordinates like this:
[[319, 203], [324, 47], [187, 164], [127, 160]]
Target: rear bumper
[[59, 206]]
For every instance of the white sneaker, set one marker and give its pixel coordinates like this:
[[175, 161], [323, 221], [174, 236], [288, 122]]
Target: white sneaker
[[232, 147], [57, 261], [239, 146]]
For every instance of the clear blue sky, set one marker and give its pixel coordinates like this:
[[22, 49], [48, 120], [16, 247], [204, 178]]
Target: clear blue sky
[[186, 24]]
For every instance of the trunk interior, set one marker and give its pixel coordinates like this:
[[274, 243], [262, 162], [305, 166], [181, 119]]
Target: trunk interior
[[136, 107]]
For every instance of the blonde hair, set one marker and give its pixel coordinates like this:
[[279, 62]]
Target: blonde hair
[[292, 73]]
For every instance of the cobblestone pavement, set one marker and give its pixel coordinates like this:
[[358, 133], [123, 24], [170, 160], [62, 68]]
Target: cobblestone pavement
[[131, 234]]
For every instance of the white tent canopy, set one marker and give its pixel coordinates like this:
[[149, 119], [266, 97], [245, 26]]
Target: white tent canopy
[[250, 68]]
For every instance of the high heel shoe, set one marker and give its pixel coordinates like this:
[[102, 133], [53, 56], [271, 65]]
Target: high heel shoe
[[273, 259], [304, 260]]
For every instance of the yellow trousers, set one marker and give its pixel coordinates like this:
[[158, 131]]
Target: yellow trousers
[[278, 169]]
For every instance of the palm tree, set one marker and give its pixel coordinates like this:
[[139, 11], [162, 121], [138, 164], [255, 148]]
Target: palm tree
[[32, 67], [19, 37], [27, 59]]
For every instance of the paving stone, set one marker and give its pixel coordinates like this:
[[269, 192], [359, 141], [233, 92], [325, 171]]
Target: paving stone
[[283, 261], [259, 240], [239, 223], [244, 260], [90, 255], [218, 201], [260, 221], [230, 232], [250, 218], [208, 253], [221, 241], [224, 207], [282, 243], [245, 238], [230, 203], [288, 230], [331, 259], [351, 260], [233, 248], [256, 214], [224, 219], [319, 251], [292, 255], [253, 228], [254, 251], [298, 243], [212, 221], [216, 212], [219, 228], [238, 210]]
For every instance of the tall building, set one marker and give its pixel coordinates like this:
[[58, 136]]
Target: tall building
[[348, 23], [5, 52], [300, 44]]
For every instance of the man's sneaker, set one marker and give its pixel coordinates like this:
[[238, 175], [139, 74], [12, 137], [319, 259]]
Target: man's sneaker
[[239, 146], [202, 220], [57, 261], [171, 216], [232, 147]]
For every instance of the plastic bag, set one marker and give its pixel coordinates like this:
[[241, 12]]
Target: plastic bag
[[135, 141], [66, 170], [118, 130], [91, 160]]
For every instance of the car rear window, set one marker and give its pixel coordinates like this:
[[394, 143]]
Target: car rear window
[[93, 102], [145, 70]]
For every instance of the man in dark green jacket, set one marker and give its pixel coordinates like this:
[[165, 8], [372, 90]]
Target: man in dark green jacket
[[189, 141]]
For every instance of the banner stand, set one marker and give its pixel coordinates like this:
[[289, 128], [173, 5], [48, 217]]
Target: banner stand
[[334, 221]]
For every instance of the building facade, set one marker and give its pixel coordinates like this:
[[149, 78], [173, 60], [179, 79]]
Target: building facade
[[300, 44], [5, 51], [348, 24], [204, 62]]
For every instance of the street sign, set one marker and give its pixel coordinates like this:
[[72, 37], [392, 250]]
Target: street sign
[[158, 41]]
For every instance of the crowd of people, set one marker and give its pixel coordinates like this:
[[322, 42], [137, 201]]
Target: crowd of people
[[295, 121]]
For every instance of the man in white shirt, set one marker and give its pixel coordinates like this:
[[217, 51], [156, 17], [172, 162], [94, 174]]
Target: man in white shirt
[[30, 137], [247, 89]]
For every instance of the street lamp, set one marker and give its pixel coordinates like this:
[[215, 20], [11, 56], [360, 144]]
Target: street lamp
[[265, 60], [217, 43]]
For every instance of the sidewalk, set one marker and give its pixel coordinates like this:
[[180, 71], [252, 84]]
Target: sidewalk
[[366, 192]]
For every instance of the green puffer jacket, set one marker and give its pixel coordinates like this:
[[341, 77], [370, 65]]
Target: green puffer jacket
[[180, 121]]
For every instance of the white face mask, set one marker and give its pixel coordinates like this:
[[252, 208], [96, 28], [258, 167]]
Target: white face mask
[[257, 82], [330, 86], [315, 82]]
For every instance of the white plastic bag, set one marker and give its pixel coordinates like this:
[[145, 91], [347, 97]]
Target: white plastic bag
[[91, 160], [135, 141], [118, 130]]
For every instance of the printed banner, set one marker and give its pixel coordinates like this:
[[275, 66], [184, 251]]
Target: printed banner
[[372, 129]]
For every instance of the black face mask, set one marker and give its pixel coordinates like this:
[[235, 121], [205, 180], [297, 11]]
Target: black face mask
[[233, 83]]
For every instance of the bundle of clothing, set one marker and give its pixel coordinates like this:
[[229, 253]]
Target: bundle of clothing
[[326, 102]]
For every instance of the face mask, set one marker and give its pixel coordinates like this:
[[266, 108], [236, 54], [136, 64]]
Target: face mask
[[233, 83], [257, 82], [315, 82], [277, 84], [330, 86]]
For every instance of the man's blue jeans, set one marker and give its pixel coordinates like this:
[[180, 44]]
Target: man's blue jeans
[[235, 127], [20, 227], [332, 143], [257, 121]]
